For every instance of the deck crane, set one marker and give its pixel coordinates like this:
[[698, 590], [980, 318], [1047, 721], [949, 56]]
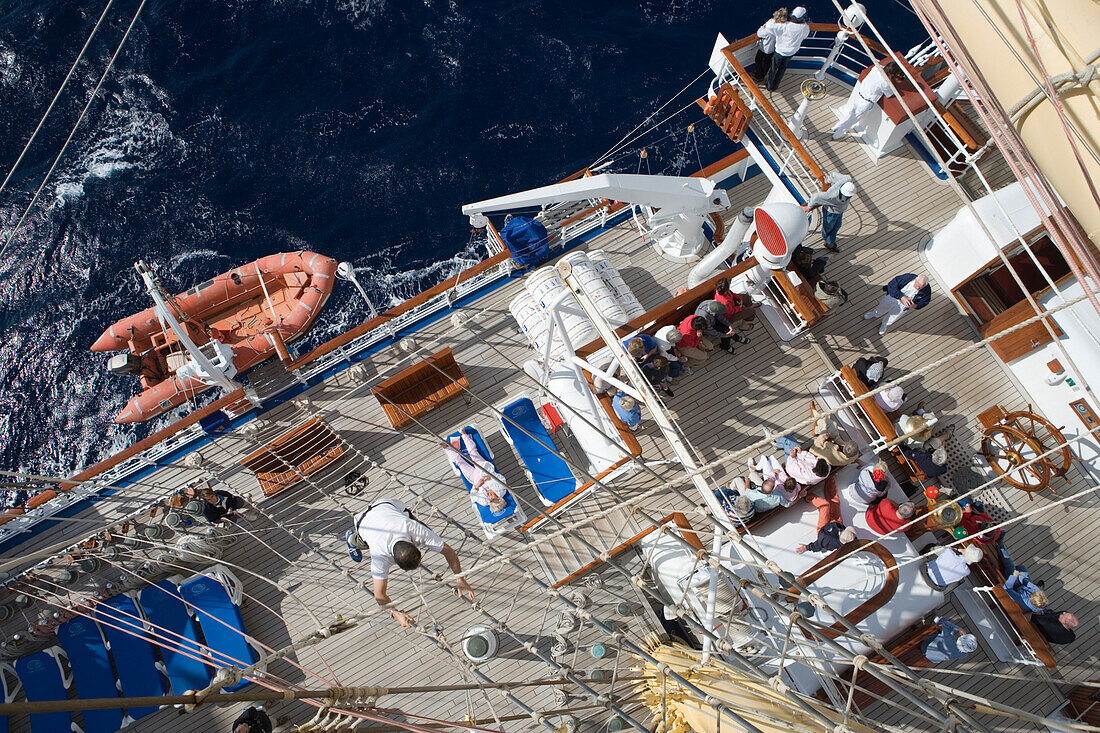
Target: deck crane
[[674, 207]]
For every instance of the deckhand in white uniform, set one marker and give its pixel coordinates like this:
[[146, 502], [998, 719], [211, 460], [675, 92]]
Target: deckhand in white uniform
[[867, 93], [395, 538]]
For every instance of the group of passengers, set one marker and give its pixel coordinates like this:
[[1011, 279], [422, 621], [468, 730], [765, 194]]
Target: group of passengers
[[676, 349]]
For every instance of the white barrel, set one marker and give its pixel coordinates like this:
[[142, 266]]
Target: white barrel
[[630, 305], [545, 285], [532, 320], [592, 282]]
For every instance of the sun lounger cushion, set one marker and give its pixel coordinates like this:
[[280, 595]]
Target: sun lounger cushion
[[169, 618], [221, 624], [132, 650], [42, 681], [550, 474], [484, 512], [92, 672]]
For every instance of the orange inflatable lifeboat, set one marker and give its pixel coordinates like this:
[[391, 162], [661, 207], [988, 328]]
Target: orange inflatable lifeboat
[[244, 316]]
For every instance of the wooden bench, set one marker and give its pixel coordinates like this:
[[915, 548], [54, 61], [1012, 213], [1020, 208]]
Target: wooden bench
[[419, 389], [906, 647], [875, 421], [294, 455]]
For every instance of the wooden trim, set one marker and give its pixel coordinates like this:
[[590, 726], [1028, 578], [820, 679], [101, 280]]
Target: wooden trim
[[1018, 343], [728, 162], [1020, 622], [676, 518], [808, 307], [664, 313], [143, 445], [764, 104], [367, 326], [872, 604], [562, 502]]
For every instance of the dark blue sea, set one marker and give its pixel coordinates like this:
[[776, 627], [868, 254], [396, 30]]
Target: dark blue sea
[[230, 129]]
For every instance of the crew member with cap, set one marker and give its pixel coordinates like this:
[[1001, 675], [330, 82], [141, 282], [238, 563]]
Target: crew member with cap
[[395, 537], [945, 571], [1057, 628], [833, 202], [872, 483], [884, 516], [866, 94], [950, 643], [831, 532], [870, 369], [789, 37], [904, 293]]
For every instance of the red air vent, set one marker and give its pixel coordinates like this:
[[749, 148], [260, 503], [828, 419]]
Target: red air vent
[[770, 234]]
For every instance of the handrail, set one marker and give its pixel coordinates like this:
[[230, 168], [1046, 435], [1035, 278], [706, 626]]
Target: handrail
[[768, 108]]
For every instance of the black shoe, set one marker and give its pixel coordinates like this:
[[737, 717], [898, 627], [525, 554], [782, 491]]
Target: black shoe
[[667, 391], [741, 339], [832, 247], [1041, 583]]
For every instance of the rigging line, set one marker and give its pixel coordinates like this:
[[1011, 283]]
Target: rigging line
[[642, 134], [72, 133], [53, 101], [614, 148]]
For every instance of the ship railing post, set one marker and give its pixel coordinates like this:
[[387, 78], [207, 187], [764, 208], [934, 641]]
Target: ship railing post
[[838, 44]]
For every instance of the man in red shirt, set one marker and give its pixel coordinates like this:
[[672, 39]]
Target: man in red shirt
[[694, 346]]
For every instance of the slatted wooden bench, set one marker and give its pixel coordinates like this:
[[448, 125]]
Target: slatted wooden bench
[[875, 420], [906, 647], [421, 388], [294, 455]]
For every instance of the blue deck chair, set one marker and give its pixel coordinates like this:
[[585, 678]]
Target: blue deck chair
[[132, 651], [92, 671], [492, 524], [525, 433], [170, 619], [221, 624], [44, 679]]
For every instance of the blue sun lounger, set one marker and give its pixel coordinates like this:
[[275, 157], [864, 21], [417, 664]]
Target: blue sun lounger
[[221, 624], [169, 617], [44, 679], [492, 524], [528, 437], [132, 651], [92, 671]]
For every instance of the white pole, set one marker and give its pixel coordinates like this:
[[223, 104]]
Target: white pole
[[346, 271], [838, 43]]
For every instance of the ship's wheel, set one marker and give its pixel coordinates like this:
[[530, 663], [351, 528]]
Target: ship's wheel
[[1013, 443], [1011, 453]]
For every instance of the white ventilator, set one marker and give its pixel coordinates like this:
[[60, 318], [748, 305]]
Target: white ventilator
[[780, 227], [713, 261]]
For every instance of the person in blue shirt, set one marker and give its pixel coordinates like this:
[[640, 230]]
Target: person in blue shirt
[[908, 292], [1028, 594], [948, 644], [627, 410]]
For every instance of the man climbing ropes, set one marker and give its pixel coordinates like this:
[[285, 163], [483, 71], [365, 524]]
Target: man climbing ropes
[[395, 537]]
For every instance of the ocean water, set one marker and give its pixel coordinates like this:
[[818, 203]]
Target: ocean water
[[230, 129]]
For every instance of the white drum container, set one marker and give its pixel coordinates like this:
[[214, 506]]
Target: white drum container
[[532, 320], [545, 285], [589, 278], [615, 282]]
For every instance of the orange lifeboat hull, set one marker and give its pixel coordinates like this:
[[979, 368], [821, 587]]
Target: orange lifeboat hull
[[253, 309]]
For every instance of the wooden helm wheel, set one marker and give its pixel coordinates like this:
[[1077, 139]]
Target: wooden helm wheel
[[1046, 435], [1006, 449]]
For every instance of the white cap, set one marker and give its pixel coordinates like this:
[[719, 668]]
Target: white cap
[[973, 554], [848, 189], [798, 13], [967, 643]]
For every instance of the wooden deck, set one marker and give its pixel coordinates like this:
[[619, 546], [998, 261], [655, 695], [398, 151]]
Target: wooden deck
[[725, 405]]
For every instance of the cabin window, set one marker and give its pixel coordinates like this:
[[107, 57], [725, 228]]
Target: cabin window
[[994, 291]]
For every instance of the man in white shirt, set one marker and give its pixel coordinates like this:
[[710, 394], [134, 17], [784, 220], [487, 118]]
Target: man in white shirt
[[948, 568], [394, 537], [788, 39], [866, 94]]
